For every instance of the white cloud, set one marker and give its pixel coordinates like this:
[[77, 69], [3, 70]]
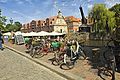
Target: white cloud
[[74, 4], [24, 1], [111, 3], [37, 12], [19, 1], [29, 1], [3, 1], [49, 2], [21, 14], [90, 6]]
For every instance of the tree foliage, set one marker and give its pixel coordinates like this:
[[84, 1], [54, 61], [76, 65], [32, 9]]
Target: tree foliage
[[100, 14], [2, 21], [18, 26], [116, 9], [14, 27]]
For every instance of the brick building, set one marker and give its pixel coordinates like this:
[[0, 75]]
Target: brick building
[[55, 23], [73, 23]]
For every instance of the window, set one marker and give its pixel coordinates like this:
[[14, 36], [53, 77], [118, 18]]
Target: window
[[60, 30]]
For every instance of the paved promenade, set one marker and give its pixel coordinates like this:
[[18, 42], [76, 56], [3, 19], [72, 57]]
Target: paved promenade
[[16, 67], [83, 68]]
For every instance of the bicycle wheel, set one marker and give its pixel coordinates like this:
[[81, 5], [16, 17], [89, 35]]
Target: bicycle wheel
[[56, 62], [58, 58], [39, 53], [110, 59], [105, 74], [68, 64], [108, 56]]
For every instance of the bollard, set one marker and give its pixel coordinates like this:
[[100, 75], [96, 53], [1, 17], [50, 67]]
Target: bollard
[[96, 54]]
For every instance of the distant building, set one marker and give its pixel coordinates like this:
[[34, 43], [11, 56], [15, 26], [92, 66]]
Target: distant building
[[73, 23], [55, 23]]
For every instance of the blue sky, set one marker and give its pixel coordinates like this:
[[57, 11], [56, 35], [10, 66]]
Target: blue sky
[[27, 10]]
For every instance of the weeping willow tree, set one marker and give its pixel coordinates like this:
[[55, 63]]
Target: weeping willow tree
[[116, 9], [103, 19]]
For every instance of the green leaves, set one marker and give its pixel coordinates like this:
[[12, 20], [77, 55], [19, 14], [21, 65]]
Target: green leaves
[[14, 27], [116, 9], [100, 15], [2, 21]]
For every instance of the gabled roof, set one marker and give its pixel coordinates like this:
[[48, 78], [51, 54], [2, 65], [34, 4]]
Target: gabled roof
[[72, 19], [52, 20]]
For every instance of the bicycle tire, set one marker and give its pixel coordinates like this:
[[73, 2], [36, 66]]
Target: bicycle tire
[[107, 55], [104, 73], [39, 53], [111, 62], [57, 61], [67, 65]]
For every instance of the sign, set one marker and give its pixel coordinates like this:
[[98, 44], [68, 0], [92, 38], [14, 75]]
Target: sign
[[19, 39]]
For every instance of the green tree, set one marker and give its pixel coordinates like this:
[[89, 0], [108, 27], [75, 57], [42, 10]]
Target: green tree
[[2, 21], [111, 20], [14, 27], [100, 14], [17, 26], [116, 9], [9, 27]]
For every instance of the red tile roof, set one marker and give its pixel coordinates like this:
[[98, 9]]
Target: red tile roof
[[72, 19]]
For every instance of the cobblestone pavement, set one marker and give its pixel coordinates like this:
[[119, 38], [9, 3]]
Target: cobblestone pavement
[[83, 68], [15, 67]]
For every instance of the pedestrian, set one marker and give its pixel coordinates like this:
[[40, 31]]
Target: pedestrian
[[1, 40]]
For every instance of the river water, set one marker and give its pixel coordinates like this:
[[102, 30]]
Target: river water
[[95, 43]]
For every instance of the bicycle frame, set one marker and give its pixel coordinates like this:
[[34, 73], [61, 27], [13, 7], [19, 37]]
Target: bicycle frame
[[110, 59]]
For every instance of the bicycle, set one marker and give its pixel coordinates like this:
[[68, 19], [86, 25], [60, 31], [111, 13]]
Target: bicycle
[[109, 63], [37, 51], [70, 57], [58, 58]]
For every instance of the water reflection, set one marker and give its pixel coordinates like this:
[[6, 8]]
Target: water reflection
[[95, 43]]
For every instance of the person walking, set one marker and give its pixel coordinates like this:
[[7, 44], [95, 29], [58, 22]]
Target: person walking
[[1, 40]]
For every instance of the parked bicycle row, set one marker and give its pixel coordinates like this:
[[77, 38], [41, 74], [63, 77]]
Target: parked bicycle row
[[67, 52]]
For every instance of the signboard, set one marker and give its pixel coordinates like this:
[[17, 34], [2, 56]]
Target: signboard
[[19, 39]]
